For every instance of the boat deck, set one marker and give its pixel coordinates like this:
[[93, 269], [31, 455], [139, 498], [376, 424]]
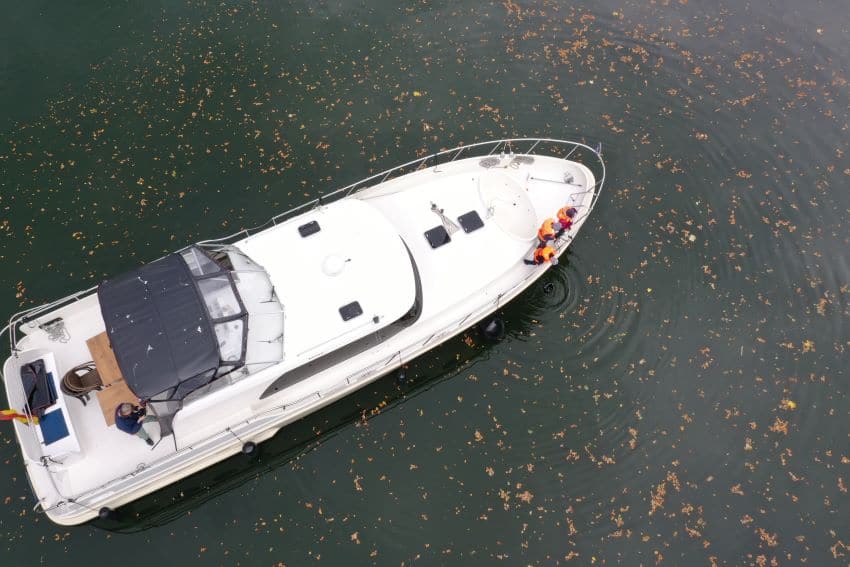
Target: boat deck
[[511, 202], [105, 452]]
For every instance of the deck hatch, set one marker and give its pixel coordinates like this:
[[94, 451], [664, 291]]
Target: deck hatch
[[437, 236], [350, 311], [309, 228], [470, 221]]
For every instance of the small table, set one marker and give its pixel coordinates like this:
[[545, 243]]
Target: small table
[[104, 359], [115, 390]]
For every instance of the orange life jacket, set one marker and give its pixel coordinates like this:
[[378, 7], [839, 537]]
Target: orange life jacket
[[546, 231], [564, 218], [544, 254]]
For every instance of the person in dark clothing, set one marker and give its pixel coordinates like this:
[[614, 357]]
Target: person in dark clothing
[[130, 418]]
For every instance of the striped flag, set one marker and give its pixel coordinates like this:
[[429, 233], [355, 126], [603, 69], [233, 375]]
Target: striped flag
[[10, 414]]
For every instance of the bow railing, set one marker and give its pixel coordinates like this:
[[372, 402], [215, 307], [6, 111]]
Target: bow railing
[[511, 147]]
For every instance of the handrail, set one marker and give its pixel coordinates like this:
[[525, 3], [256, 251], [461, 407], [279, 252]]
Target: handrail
[[468, 151], [28, 315], [472, 150]]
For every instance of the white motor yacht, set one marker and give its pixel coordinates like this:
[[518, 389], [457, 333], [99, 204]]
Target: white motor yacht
[[226, 341]]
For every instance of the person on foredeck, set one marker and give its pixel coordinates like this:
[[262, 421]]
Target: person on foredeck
[[130, 418], [565, 217], [542, 255], [548, 230]]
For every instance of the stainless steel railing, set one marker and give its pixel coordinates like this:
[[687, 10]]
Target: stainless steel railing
[[512, 146]]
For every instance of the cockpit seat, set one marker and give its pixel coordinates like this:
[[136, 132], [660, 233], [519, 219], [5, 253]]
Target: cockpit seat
[[80, 381]]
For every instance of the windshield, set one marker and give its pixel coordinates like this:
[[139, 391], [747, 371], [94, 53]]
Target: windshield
[[223, 304]]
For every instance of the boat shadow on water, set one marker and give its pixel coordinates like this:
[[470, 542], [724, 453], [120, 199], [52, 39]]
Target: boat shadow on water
[[443, 363]]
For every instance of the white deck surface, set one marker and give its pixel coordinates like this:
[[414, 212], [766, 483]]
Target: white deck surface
[[356, 256], [100, 445]]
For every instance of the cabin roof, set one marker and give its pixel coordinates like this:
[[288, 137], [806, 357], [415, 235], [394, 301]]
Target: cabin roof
[[341, 272]]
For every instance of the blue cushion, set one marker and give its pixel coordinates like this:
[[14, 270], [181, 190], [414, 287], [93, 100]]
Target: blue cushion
[[53, 426]]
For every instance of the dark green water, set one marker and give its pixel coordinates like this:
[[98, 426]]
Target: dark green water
[[680, 397]]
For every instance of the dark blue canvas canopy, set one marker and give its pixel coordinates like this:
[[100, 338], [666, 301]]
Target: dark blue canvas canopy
[[159, 329]]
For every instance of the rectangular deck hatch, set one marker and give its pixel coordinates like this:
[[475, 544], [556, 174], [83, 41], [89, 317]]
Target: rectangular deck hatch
[[437, 236], [470, 221], [311, 227], [350, 311]]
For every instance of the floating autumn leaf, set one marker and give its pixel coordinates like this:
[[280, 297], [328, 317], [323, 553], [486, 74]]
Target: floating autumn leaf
[[768, 538], [780, 426], [788, 404]]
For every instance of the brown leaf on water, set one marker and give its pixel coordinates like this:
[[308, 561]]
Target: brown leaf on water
[[693, 532], [770, 539], [779, 426], [658, 498], [513, 9], [633, 440]]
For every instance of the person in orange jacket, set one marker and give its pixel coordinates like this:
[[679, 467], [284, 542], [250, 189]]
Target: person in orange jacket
[[543, 254], [548, 230], [565, 217]]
